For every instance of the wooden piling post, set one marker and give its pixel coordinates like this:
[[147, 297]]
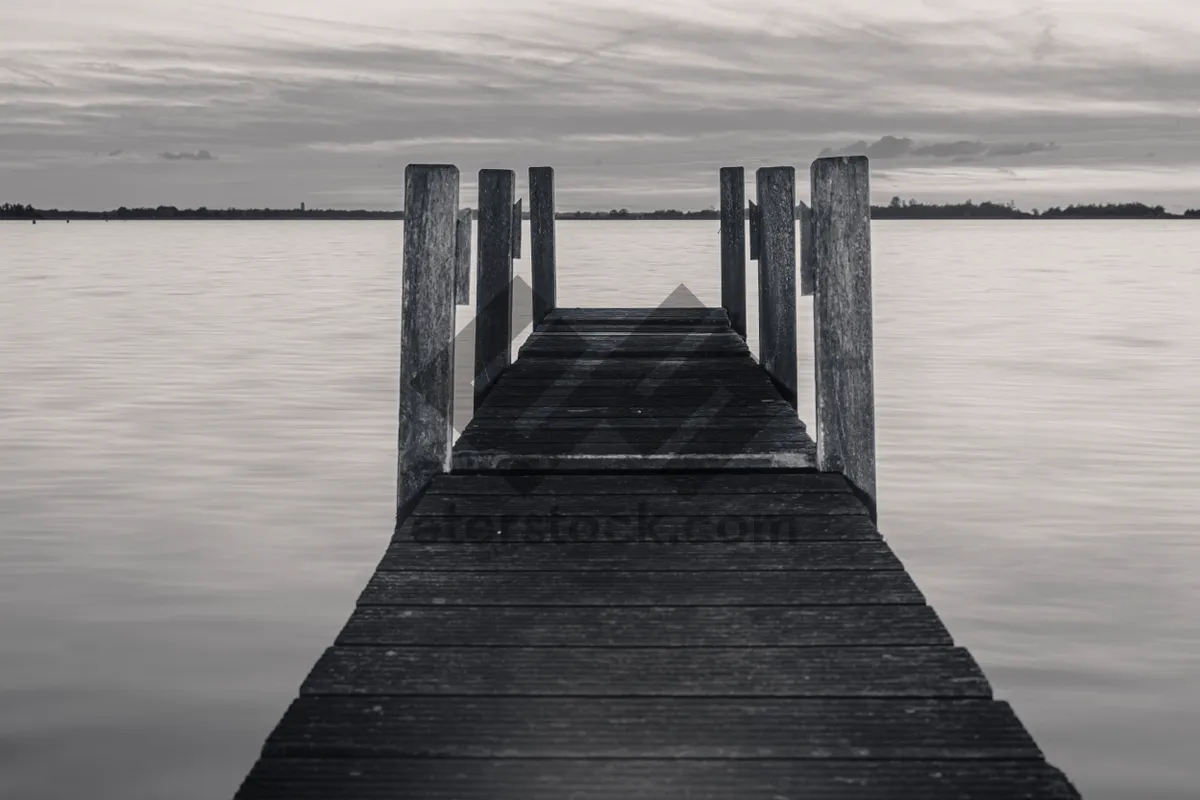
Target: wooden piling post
[[806, 250], [494, 275], [426, 329], [542, 244], [733, 246], [842, 321], [462, 258], [776, 190], [754, 219], [516, 236]]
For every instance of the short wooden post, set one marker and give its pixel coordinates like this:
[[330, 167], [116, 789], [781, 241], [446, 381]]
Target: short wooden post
[[516, 234], [776, 189], [542, 245], [843, 339], [462, 258], [426, 330], [806, 250], [755, 218], [733, 246], [494, 274]]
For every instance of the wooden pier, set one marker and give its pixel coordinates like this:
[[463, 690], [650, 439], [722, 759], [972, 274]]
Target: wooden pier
[[636, 575]]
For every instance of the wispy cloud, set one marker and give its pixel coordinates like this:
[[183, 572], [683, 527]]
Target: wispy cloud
[[636, 104], [199, 155]]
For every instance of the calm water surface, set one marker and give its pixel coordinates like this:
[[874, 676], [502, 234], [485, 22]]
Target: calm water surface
[[197, 468]]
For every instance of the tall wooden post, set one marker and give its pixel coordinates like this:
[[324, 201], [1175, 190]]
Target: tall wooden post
[[776, 189], [542, 244], [462, 258], [733, 246], [426, 330], [806, 250], [493, 284], [843, 339], [517, 227]]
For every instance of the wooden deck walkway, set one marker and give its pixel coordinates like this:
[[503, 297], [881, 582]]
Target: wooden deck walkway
[[635, 586]]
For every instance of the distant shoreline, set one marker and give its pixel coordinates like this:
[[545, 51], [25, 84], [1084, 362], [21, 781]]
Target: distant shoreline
[[897, 209]]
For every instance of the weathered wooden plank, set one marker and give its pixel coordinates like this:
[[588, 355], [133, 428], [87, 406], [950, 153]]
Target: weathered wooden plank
[[500, 528], [662, 626], [651, 779], [639, 588], [780, 409], [462, 258], [646, 315], [634, 326], [777, 277], [517, 219], [566, 440], [602, 556], [553, 727], [733, 246], [842, 320], [531, 383], [800, 503], [493, 284], [649, 672], [542, 247], [771, 452], [664, 484], [665, 396], [766, 458], [426, 329], [684, 426], [592, 345]]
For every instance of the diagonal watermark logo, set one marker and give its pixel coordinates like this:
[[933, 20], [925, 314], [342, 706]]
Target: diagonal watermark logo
[[558, 403]]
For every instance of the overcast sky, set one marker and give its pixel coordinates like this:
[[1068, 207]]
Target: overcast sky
[[636, 103]]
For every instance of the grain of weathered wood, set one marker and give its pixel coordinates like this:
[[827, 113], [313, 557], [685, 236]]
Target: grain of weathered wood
[[493, 284], [426, 329], [800, 503], [644, 411], [649, 672], [647, 439], [517, 227], [488, 727], [462, 258], [603, 556], [777, 482], [733, 246], [683, 426], [653, 779], [776, 188], [800, 457], [655, 626], [806, 250], [673, 530], [542, 245], [641, 588], [842, 321]]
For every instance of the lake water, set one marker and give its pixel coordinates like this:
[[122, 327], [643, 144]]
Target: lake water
[[197, 473]]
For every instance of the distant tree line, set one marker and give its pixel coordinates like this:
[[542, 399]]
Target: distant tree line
[[896, 209], [18, 211]]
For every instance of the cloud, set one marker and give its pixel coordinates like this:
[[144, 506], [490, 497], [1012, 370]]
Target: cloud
[[893, 147], [662, 96], [1014, 149], [199, 155]]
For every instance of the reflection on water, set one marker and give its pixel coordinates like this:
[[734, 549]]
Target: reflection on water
[[197, 433]]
